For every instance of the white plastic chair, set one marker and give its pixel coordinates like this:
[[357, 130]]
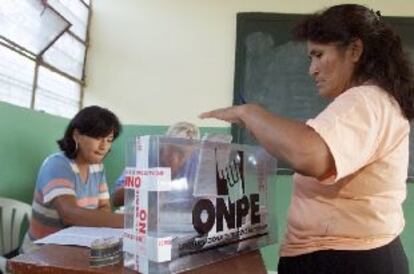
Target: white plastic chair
[[12, 215], [3, 262]]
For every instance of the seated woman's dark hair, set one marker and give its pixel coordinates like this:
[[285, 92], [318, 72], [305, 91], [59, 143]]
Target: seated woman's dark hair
[[383, 60], [92, 121]]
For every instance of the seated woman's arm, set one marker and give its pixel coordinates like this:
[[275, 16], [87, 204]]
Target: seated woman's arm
[[104, 205], [118, 197], [72, 214]]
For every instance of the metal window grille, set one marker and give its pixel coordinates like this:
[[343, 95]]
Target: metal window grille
[[43, 47]]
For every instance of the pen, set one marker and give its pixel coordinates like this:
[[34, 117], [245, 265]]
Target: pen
[[241, 99]]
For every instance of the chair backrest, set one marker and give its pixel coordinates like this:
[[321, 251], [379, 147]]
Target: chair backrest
[[12, 215]]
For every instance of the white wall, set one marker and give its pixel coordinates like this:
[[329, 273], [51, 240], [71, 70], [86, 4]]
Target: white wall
[[155, 62]]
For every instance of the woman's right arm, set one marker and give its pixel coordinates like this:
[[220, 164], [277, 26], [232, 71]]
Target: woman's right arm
[[118, 197], [72, 214], [287, 139], [118, 194]]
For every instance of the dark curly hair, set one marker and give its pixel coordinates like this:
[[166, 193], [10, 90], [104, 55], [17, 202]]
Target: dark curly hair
[[382, 60], [92, 121]]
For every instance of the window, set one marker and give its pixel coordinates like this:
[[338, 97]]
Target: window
[[43, 46], [16, 78], [56, 94]]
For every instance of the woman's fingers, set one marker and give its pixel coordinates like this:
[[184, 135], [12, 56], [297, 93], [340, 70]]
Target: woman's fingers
[[229, 114], [217, 113], [221, 113]]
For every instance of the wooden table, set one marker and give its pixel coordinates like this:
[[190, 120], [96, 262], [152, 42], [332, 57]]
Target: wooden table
[[58, 259]]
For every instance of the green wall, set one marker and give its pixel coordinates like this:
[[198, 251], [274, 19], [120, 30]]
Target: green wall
[[27, 137], [407, 236]]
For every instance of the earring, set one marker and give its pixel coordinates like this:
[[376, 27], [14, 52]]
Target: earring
[[76, 146]]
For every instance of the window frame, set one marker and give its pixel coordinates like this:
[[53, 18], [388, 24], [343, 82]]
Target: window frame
[[38, 58]]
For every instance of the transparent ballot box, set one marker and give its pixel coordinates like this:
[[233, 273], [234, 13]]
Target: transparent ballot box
[[190, 203]]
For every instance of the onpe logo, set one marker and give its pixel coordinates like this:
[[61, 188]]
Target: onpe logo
[[229, 175], [233, 213]]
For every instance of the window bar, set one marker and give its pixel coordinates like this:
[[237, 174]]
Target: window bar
[[85, 3], [54, 40], [76, 37], [55, 11], [64, 18], [82, 95], [19, 51], [60, 34], [58, 71], [13, 44], [34, 87]]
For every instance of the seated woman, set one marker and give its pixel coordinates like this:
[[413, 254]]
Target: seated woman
[[71, 185], [179, 162]]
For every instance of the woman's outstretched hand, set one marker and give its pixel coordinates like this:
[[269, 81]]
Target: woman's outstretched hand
[[230, 114]]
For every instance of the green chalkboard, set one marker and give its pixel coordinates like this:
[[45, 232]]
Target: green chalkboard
[[272, 70]]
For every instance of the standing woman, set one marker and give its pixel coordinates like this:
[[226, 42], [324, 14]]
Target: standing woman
[[71, 187], [351, 160]]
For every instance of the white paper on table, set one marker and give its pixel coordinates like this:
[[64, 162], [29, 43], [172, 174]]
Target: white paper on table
[[81, 236]]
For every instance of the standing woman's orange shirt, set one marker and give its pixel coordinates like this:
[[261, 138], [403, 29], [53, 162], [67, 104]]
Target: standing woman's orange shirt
[[360, 207]]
